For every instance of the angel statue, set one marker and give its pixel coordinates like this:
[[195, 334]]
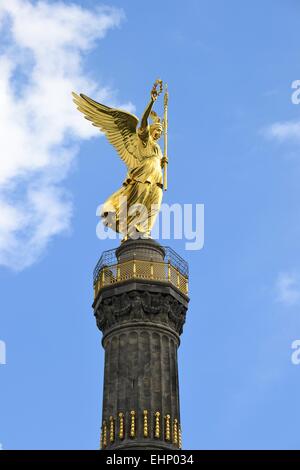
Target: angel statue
[[132, 209]]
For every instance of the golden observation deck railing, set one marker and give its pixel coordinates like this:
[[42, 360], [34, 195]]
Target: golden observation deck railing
[[172, 270]]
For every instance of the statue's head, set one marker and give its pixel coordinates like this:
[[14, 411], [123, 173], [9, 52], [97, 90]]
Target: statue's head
[[156, 130]]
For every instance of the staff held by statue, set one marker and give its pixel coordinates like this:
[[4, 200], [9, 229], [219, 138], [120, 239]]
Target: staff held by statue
[[165, 122]]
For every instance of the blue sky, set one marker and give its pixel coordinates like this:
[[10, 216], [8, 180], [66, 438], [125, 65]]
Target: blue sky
[[234, 146]]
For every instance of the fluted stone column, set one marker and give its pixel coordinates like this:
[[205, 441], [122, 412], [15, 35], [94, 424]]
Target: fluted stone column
[[141, 321]]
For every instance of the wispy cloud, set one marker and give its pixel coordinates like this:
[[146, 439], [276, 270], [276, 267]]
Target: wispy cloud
[[41, 62], [288, 288], [284, 131]]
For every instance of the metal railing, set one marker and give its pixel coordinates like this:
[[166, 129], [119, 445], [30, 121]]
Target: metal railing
[[173, 270]]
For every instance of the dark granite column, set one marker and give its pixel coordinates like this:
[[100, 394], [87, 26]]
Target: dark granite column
[[141, 320]]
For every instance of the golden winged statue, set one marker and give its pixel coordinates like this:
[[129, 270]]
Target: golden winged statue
[[132, 209]]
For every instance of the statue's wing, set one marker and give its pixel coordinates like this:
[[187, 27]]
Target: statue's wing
[[119, 126]]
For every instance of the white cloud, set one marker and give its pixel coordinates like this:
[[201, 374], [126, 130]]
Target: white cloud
[[41, 62], [284, 131], [288, 288]]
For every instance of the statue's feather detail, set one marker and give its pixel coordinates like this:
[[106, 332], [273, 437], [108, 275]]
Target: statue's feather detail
[[120, 127]]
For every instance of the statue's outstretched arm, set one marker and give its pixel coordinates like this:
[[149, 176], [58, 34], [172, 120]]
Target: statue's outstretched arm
[[144, 120], [154, 95]]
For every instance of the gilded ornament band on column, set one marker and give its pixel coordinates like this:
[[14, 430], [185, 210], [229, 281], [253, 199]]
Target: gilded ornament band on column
[[164, 428]]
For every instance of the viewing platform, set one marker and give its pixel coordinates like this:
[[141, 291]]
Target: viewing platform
[[141, 260]]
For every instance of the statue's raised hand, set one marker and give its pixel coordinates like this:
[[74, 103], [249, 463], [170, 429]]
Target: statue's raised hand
[[155, 92]]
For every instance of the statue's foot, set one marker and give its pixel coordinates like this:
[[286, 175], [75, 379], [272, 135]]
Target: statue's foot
[[137, 235], [146, 235]]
